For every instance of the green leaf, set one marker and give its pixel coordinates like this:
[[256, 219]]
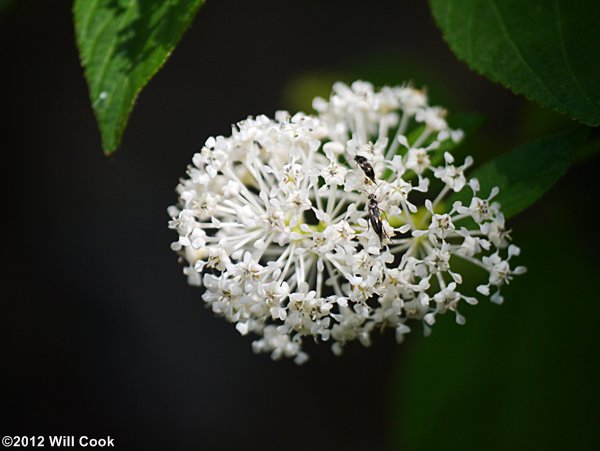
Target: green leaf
[[527, 172], [122, 44], [546, 50]]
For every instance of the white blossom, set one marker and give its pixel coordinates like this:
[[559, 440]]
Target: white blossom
[[333, 226]]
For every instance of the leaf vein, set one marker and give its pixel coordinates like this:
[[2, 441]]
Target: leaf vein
[[111, 50], [84, 24], [516, 49]]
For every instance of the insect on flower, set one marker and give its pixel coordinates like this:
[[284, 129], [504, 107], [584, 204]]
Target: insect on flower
[[375, 217], [365, 166]]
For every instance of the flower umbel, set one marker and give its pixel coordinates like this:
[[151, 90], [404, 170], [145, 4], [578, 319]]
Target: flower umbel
[[334, 225]]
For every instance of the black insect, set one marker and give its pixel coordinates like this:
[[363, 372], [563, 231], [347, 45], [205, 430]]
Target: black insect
[[365, 166], [375, 217]]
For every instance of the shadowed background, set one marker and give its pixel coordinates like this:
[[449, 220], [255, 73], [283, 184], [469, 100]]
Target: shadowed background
[[102, 335]]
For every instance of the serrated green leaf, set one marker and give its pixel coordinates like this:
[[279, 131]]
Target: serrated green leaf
[[122, 44], [546, 50], [527, 172]]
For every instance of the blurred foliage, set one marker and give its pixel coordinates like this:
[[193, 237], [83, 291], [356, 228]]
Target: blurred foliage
[[379, 70], [518, 376], [6, 5], [534, 121], [122, 44], [299, 92], [546, 51], [590, 148]]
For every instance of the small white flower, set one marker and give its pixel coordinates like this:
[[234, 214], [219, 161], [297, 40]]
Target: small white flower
[[496, 231], [326, 228], [433, 117], [451, 175], [418, 160], [441, 226]]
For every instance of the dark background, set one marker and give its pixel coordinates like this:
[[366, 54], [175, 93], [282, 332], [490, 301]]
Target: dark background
[[102, 336]]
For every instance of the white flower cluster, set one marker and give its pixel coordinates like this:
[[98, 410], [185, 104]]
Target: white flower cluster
[[333, 225]]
